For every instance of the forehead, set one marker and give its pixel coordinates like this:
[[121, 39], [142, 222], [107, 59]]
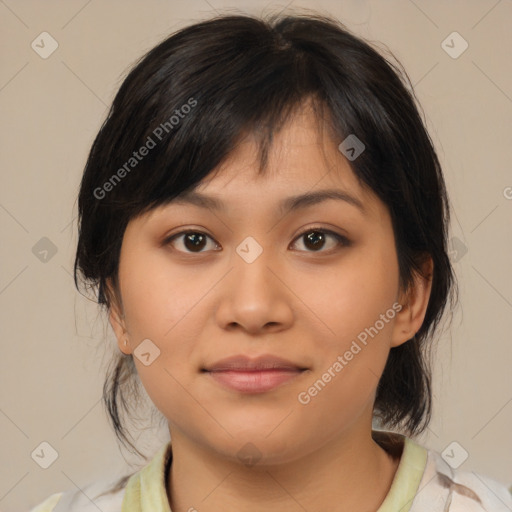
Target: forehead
[[304, 167], [303, 159]]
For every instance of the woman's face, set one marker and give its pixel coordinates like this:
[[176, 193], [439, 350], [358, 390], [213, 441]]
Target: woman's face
[[252, 283]]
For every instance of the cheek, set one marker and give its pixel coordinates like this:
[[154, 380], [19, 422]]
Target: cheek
[[352, 295], [159, 298], [165, 386], [164, 304], [355, 306]]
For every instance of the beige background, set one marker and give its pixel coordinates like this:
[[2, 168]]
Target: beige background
[[52, 350]]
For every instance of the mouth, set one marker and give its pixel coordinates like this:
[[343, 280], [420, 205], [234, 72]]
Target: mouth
[[259, 375]]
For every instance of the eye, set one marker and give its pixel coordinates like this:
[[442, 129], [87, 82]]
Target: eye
[[193, 241], [315, 239]]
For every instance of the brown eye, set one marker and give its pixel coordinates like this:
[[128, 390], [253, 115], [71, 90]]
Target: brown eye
[[192, 241], [317, 239], [314, 240]]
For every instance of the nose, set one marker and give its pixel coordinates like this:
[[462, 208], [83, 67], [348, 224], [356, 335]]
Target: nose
[[254, 297]]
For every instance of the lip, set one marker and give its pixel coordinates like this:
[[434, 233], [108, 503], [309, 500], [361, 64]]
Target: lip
[[253, 375], [245, 363]]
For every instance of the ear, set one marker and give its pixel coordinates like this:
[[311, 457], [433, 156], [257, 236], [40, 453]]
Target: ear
[[414, 305], [117, 319]]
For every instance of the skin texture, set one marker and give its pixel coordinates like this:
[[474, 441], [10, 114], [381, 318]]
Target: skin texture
[[301, 302]]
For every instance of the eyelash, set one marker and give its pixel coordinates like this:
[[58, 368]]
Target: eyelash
[[342, 240]]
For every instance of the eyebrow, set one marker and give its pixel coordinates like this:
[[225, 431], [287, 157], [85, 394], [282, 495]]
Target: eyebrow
[[288, 204]]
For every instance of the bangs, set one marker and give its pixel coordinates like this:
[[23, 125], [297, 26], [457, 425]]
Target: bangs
[[187, 126]]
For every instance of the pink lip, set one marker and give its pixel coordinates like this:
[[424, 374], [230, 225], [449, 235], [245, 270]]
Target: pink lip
[[263, 362], [254, 375], [254, 381]]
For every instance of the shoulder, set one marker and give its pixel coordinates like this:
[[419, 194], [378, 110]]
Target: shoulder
[[461, 491], [147, 484], [108, 497], [48, 505]]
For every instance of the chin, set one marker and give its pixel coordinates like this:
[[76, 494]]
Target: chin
[[251, 447]]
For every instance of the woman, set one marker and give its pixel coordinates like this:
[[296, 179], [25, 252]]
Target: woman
[[265, 218]]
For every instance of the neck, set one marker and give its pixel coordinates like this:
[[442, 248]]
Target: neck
[[350, 472]]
